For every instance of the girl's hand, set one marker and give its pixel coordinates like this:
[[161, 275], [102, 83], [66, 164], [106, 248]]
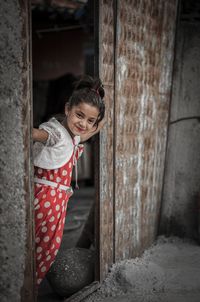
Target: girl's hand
[[40, 135], [93, 131]]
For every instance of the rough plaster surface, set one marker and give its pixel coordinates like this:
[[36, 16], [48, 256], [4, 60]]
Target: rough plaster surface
[[12, 200], [166, 272], [181, 195]]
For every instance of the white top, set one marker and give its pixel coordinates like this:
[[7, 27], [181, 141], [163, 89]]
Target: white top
[[58, 149]]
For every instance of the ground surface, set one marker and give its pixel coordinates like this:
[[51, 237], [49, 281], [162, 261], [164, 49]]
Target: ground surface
[[169, 271]]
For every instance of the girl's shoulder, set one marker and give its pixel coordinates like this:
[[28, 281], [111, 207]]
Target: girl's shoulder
[[55, 128], [57, 150]]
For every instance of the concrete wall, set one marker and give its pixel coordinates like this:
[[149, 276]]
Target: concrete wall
[[12, 197], [179, 214]]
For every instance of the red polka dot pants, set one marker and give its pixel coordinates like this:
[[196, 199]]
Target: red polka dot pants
[[50, 211]]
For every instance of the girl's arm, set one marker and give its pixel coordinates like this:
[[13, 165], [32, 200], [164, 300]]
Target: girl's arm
[[40, 135], [94, 131]]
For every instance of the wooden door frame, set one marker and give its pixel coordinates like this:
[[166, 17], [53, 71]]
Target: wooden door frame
[[28, 292], [106, 209]]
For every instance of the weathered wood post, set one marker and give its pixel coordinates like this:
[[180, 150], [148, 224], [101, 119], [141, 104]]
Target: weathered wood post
[[16, 250]]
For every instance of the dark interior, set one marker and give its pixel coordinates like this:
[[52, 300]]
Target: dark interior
[[62, 50]]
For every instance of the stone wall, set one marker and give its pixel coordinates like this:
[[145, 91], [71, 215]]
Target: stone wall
[[12, 167]]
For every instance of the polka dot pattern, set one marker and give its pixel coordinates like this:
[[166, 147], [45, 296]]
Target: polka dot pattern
[[47, 204], [46, 239], [52, 219], [39, 249], [39, 281], [37, 239], [53, 192], [64, 172], [50, 210], [39, 215], [53, 227], [58, 239], [58, 179], [44, 229], [41, 263], [36, 200], [48, 257]]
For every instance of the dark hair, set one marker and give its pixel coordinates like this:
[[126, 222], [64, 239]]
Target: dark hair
[[89, 90]]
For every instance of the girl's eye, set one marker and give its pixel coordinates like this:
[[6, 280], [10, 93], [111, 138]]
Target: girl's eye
[[91, 121], [78, 115]]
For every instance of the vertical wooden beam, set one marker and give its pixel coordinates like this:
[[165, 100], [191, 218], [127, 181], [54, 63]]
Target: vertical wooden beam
[[144, 59], [28, 290], [106, 72]]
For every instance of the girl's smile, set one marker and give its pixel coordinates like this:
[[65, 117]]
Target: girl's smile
[[81, 118]]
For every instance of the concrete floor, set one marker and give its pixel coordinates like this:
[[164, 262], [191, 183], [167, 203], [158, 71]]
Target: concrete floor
[[156, 297], [167, 272]]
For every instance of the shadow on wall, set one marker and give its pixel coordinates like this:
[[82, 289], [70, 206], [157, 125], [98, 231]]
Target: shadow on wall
[[178, 226]]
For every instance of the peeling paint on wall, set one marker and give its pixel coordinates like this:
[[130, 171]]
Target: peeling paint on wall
[[138, 64], [144, 52]]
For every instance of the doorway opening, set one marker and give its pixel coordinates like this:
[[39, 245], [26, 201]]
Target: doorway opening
[[63, 49]]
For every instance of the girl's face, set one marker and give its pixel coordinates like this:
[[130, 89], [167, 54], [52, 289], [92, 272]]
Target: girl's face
[[81, 118]]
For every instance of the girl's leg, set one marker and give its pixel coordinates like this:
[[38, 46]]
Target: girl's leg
[[49, 223]]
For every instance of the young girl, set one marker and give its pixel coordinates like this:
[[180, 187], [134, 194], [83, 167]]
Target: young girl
[[56, 151]]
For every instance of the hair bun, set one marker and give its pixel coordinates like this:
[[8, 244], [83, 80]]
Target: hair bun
[[87, 81], [101, 91]]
